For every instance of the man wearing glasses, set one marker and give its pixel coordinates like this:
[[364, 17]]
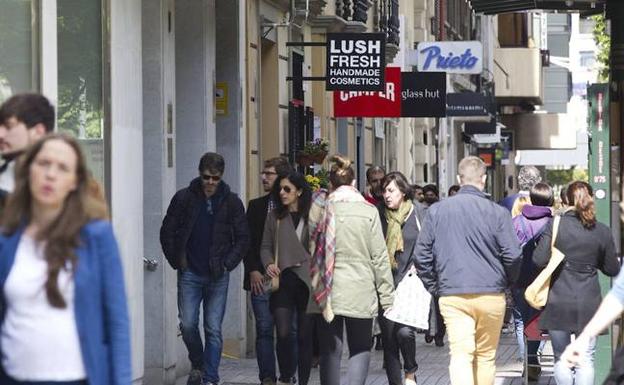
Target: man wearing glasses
[[204, 236], [254, 270]]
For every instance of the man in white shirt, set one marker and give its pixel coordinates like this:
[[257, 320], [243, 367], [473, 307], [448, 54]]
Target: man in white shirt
[[24, 119]]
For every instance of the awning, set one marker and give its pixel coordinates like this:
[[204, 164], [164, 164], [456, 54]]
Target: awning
[[490, 7]]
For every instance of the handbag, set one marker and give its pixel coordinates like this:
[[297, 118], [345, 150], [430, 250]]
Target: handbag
[[536, 294], [411, 303], [271, 284]]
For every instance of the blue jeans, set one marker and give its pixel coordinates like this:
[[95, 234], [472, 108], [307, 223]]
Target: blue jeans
[[194, 289], [265, 353], [523, 312], [583, 374]]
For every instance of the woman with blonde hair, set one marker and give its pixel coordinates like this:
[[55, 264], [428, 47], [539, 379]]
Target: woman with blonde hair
[[63, 317], [350, 271], [574, 294]]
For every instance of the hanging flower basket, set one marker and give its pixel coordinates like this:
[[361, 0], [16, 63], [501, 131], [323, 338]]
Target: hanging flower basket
[[319, 157], [304, 160]]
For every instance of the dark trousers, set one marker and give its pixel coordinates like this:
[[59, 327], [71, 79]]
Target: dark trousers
[[6, 380], [289, 303], [265, 351], [398, 338], [360, 341]]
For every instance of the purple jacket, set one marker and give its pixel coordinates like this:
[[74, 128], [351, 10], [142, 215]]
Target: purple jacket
[[529, 226]]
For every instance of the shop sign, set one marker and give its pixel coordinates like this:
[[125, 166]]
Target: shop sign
[[406, 94], [600, 147], [423, 94], [466, 104], [355, 62], [472, 128], [386, 103], [459, 57]]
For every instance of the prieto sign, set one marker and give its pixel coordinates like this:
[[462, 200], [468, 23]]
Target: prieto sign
[[461, 57], [355, 62]]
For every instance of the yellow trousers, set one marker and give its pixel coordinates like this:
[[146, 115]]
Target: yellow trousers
[[473, 323]]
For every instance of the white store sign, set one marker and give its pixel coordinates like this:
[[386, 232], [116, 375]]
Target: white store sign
[[457, 57]]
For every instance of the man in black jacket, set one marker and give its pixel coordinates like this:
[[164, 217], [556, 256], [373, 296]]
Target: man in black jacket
[[468, 254], [204, 235], [254, 270]]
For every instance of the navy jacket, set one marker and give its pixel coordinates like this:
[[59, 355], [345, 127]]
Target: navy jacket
[[100, 303], [230, 237], [467, 246]]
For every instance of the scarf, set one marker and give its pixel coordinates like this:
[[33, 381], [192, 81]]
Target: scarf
[[394, 236], [322, 227]]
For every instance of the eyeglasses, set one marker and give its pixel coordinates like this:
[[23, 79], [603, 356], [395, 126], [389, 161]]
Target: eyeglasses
[[214, 178], [267, 173], [286, 189]]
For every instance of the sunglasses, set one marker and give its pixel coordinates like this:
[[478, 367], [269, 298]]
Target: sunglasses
[[286, 189], [214, 178]]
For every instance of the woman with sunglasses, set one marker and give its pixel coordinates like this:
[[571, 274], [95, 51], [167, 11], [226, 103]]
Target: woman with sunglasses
[[286, 239], [63, 317]]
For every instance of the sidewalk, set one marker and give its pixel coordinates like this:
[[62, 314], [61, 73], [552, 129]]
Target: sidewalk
[[433, 367]]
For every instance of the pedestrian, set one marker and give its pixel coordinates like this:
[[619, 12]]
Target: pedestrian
[[453, 190], [467, 254], [24, 119], [374, 177], [418, 193], [610, 309], [285, 254], [528, 176], [529, 227], [574, 294], [204, 235], [351, 273], [65, 317], [401, 228], [431, 195], [257, 211]]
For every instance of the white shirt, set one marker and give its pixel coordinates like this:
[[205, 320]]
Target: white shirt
[[7, 178], [39, 342]]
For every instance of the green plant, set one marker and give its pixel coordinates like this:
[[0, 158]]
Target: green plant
[[603, 41], [316, 147], [323, 177]]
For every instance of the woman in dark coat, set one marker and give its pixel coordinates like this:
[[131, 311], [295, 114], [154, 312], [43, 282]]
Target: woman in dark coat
[[575, 291], [401, 227]]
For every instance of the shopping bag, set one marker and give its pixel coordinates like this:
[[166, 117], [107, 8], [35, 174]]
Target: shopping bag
[[536, 294], [411, 303]]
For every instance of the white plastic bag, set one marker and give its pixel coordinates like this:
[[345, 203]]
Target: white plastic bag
[[411, 303]]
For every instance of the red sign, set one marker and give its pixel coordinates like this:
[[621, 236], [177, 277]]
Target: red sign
[[385, 103]]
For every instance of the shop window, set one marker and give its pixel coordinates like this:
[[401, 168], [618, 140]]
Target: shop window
[[80, 69], [587, 59], [19, 64]]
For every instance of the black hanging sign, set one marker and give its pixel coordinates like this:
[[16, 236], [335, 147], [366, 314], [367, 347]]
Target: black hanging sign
[[466, 104], [355, 62], [423, 94]]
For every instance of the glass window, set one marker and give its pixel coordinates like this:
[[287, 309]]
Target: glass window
[[586, 25], [80, 102], [19, 64], [587, 59]]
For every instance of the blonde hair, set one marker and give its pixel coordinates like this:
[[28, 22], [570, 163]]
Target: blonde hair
[[341, 172], [471, 170], [519, 204]]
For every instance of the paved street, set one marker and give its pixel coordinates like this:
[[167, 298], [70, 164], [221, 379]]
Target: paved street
[[433, 367]]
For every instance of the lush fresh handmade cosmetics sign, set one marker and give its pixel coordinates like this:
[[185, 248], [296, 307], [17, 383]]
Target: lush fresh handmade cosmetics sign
[[461, 57], [355, 62]]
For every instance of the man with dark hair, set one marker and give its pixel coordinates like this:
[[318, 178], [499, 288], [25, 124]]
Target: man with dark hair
[[204, 236], [374, 193], [257, 211], [24, 119], [431, 194], [419, 196]]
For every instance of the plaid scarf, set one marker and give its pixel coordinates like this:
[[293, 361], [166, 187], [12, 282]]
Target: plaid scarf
[[322, 226]]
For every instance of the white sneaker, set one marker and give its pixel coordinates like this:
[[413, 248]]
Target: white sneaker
[[409, 382]]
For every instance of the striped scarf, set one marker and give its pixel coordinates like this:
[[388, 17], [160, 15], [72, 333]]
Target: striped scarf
[[322, 226]]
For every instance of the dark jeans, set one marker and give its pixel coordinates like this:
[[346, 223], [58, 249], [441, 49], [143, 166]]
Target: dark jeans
[[289, 303], [193, 290], [523, 313], [360, 341], [265, 353], [5, 380], [398, 338]]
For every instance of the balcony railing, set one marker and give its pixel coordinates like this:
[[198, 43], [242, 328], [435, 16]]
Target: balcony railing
[[353, 10]]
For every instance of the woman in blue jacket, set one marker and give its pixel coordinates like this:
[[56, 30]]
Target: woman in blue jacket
[[63, 313]]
